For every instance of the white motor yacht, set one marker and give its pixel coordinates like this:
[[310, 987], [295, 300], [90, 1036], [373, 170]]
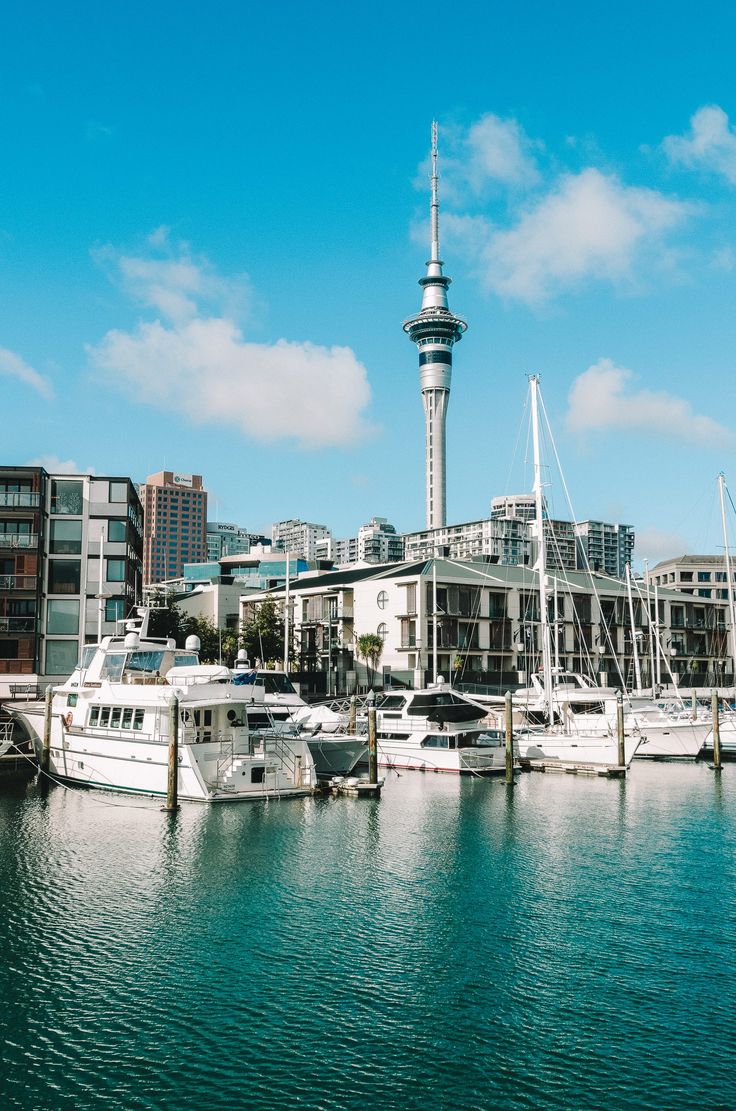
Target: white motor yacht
[[110, 727], [437, 729], [334, 750]]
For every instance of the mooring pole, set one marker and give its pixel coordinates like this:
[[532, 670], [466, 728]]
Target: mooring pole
[[372, 746], [509, 718], [716, 731], [172, 788], [47, 718], [620, 729], [353, 715]]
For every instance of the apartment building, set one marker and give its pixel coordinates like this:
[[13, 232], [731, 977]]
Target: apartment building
[[70, 566], [701, 575], [301, 537], [224, 538]]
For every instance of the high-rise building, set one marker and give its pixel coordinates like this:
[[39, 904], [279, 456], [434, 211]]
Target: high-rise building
[[298, 536], [435, 330], [175, 524], [70, 566], [224, 538], [605, 547]]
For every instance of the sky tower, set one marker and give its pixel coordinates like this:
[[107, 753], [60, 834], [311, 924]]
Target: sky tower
[[435, 330]]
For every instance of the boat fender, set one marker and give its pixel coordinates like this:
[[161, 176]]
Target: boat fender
[[67, 719]]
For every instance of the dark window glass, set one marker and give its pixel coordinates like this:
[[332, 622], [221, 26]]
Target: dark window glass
[[116, 530], [67, 497], [66, 537], [435, 357], [115, 570], [64, 576], [114, 609], [8, 649]]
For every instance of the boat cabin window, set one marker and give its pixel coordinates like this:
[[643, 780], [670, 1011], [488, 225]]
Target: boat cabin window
[[127, 717], [393, 702], [115, 713], [94, 715], [185, 659], [258, 774], [487, 739], [138, 719], [87, 655], [104, 716], [145, 661], [438, 740], [112, 668], [116, 717]]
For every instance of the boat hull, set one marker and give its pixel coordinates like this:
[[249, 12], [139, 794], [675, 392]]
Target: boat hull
[[336, 755], [592, 749], [484, 762]]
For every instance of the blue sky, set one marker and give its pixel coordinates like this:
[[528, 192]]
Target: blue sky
[[213, 219]]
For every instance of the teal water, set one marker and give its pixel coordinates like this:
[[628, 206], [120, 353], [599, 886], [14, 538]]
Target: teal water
[[567, 944]]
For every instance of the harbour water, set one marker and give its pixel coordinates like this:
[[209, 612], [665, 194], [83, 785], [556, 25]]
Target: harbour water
[[569, 943]]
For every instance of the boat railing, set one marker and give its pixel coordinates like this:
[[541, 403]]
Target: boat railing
[[276, 744], [6, 736]]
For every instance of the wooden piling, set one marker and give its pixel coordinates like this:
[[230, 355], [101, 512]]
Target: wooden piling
[[372, 746], [172, 788], [620, 729], [45, 760], [352, 715], [509, 719], [716, 731]]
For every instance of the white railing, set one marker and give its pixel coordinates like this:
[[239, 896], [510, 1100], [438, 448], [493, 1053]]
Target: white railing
[[18, 539]]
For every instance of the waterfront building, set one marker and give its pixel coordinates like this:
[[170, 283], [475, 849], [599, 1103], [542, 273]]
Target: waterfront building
[[175, 523], [301, 537], [435, 330], [70, 566], [488, 628], [224, 538], [523, 506], [701, 575]]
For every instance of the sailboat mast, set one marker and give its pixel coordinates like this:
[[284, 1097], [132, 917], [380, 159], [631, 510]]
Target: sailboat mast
[[729, 579], [541, 551], [287, 615], [637, 668]]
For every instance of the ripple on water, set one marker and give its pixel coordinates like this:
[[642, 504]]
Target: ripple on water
[[455, 945]]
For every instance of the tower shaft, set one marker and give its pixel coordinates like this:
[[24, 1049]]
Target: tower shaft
[[435, 330]]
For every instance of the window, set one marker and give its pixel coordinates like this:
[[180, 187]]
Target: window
[[62, 617], [127, 718], [8, 649], [118, 491], [94, 715], [71, 699], [66, 538], [87, 656], [382, 599], [114, 609], [115, 572], [64, 577], [104, 716], [686, 576], [703, 576], [67, 497], [112, 668], [258, 774], [17, 527], [115, 717], [382, 631], [116, 530], [61, 656]]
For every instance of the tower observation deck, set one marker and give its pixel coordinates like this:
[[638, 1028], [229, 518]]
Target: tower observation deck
[[435, 330]]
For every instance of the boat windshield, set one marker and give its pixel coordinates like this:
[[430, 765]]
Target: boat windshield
[[87, 653], [185, 659], [112, 668], [276, 684], [145, 661]]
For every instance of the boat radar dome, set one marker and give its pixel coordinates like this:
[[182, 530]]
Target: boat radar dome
[[242, 654], [171, 643], [192, 643], [132, 641]]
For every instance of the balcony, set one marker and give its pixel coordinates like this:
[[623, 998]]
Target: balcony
[[20, 500], [17, 624], [17, 582], [18, 539]]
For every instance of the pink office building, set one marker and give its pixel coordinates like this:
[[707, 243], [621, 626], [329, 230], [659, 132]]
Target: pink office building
[[175, 524]]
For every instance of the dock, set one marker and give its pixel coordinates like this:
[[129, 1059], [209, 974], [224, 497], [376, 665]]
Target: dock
[[354, 785], [612, 771]]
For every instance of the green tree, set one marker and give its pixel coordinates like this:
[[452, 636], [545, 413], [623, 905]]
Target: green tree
[[263, 635], [166, 618], [369, 647]]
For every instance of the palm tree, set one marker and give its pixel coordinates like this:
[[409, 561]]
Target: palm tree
[[369, 647]]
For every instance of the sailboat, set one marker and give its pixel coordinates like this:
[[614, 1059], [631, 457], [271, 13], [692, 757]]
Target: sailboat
[[561, 743]]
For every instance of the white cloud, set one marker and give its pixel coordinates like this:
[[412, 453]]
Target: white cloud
[[602, 397], [589, 227], [710, 144], [54, 465], [12, 364], [492, 151], [198, 362], [654, 545]]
